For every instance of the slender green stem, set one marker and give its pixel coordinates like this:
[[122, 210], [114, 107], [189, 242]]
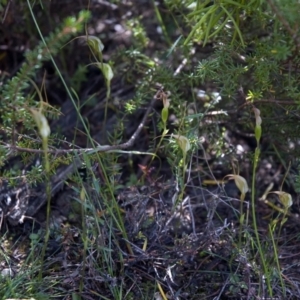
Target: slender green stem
[[258, 243], [277, 261], [48, 193], [241, 223]]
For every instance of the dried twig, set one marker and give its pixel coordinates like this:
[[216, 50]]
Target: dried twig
[[99, 148]]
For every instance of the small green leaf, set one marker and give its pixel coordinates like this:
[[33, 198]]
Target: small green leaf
[[257, 132], [164, 115], [242, 218], [34, 236]]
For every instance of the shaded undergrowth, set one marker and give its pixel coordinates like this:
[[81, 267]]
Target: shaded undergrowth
[[155, 218]]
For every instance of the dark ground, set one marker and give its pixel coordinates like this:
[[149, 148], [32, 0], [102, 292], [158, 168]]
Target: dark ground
[[192, 248]]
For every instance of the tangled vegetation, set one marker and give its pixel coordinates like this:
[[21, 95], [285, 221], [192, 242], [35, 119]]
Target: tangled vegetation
[[149, 149]]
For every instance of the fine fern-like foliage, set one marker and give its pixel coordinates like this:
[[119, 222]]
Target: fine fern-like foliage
[[255, 51], [15, 99]]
